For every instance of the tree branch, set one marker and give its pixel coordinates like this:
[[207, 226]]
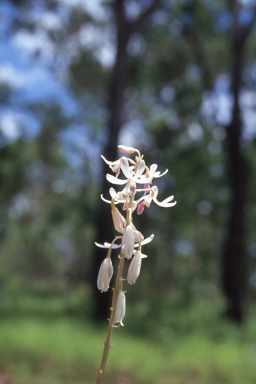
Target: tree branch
[[240, 32], [200, 57], [246, 30], [137, 23]]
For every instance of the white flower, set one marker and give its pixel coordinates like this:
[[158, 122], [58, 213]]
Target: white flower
[[115, 246], [105, 274], [120, 308], [166, 202], [147, 199], [153, 173], [128, 241], [134, 267], [114, 165], [131, 177]]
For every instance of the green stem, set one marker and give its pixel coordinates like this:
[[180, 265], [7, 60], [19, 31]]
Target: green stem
[[118, 287]]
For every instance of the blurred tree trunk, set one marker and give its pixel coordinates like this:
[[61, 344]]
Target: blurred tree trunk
[[117, 87], [234, 260]]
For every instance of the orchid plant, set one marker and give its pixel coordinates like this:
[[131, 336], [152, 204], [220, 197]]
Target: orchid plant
[[130, 240]]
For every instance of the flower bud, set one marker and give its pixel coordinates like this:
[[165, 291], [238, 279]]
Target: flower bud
[[118, 219], [141, 207], [105, 274], [128, 241], [120, 308], [125, 149], [134, 268]]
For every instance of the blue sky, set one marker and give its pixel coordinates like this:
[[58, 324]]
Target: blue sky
[[41, 79], [44, 79]]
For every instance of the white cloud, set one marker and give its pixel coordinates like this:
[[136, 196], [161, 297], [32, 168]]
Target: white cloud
[[94, 8], [37, 41], [9, 127]]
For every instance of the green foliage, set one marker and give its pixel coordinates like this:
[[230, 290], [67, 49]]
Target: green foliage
[[49, 188], [39, 343]]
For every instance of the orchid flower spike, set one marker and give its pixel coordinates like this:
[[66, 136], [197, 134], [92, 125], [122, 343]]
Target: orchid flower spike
[[133, 176]]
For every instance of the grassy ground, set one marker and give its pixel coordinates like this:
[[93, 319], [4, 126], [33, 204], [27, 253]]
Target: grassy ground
[[65, 350]]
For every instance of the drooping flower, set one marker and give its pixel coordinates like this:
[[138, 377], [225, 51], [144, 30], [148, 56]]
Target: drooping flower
[[120, 308], [128, 241], [134, 267], [105, 274]]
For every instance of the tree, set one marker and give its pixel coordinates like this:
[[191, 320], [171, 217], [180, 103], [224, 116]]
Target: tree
[[234, 259]]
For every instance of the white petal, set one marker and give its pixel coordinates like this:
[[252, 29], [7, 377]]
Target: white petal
[[141, 168], [146, 241], [164, 204], [168, 199], [125, 167], [112, 179], [154, 190], [103, 245], [109, 162], [157, 174], [114, 246], [106, 201], [143, 179], [112, 192], [153, 168]]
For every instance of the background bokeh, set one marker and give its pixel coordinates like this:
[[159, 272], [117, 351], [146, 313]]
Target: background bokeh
[[175, 79]]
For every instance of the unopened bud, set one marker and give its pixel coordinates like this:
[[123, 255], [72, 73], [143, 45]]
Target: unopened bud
[[128, 241], [120, 308], [134, 267], [105, 274], [125, 149], [118, 219]]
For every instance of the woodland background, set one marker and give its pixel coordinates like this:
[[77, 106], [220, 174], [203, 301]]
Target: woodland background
[[175, 79]]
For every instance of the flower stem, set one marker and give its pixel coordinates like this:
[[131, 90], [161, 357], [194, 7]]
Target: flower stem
[[117, 289]]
